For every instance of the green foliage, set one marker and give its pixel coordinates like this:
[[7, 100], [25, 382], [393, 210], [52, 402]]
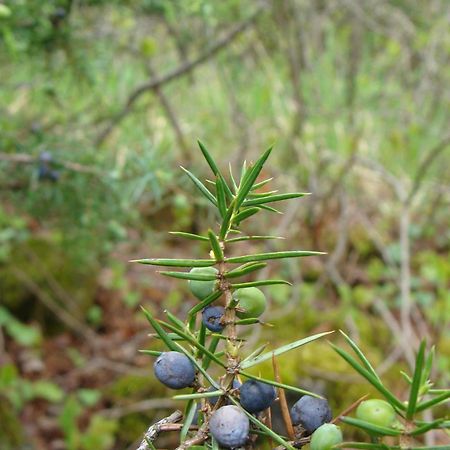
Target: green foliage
[[201, 347]]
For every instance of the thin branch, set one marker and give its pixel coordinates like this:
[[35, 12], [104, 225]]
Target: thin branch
[[23, 158], [183, 69], [349, 409], [152, 433], [70, 321], [283, 403], [425, 165]]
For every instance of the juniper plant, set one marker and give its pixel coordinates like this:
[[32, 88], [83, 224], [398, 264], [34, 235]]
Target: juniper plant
[[219, 281]]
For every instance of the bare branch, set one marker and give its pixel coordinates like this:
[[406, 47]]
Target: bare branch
[[425, 165], [152, 433], [176, 73]]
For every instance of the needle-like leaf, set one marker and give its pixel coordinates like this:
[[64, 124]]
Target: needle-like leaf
[[244, 269], [279, 351], [271, 255], [259, 283], [169, 262], [273, 198], [215, 245], [200, 186], [370, 427], [204, 303], [374, 381], [189, 276], [160, 331], [415, 385], [215, 169], [360, 354], [250, 177], [191, 236]]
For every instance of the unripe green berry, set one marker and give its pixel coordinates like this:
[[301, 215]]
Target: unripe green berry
[[325, 437], [201, 289], [376, 412], [251, 300]]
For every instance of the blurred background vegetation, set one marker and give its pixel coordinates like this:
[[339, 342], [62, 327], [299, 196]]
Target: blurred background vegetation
[[101, 101]]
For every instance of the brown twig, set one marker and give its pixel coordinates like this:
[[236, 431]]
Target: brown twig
[[283, 403], [349, 409], [183, 69], [152, 433]]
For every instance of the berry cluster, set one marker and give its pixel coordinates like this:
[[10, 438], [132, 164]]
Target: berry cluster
[[235, 414]]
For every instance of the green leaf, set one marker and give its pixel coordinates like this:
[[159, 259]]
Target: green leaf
[[244, 270], [276, 437], [269, 208], [417, 378], [212, 349], [206, 394], [221, 197], [233, 181], [434, 401], [175, 320], [191, 236], [370, 427], [360, 355], [214, 168], [215, 245], [279, 385], [245, 214], [176, 262], [428, 366], [273, 198], [406, 377], [255, 353], [204, 303], [226, 222], [271, 255], [249, 321], [374, 381], [249, 179], [251, 238], [151, 352], [279, 351], [160, 331], [259, 283], [261, 183], [261, 194], [201, 338], [193, 342], [426, 427], [189, 413], [189, 276], [201, 187]]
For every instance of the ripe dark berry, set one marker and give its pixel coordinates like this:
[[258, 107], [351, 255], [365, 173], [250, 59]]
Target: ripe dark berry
[[256, 396], [175, 370], [211, 318], [310, 413], [229, 426], [201, 289], [377, 412], [326, 437], [252, 301]]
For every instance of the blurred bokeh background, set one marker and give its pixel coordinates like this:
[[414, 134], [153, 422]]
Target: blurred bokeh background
[[102, 100]]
